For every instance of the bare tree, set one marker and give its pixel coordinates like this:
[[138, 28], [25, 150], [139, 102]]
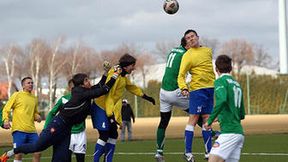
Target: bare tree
[[75, 57], [163, 48], [110, 56], [143, 60], [92, 63], [54, 67], [9, 55], [262, 58], [114, 55], [36, 51], [240, 51]]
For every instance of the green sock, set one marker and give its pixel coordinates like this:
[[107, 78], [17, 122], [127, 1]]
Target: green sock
[[160, 140]]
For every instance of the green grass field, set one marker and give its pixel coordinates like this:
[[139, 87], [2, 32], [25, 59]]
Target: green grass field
[[257, 148]]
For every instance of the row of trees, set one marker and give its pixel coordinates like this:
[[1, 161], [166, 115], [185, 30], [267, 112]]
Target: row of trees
[[43, 60], [58, 59], [267, 95]]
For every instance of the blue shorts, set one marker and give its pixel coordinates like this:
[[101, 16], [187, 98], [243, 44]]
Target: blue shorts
[[99, 118], [20, 138], [201, 101]]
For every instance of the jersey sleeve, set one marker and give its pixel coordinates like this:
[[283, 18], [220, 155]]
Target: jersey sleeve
[[220, 100], [1, 121], [133, 88], [98, 90], [53, 112], [242, 109], [185, 66], [7, 108]]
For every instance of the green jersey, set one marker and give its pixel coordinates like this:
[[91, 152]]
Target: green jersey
[[77, 128], [229, 105], [169, 81]]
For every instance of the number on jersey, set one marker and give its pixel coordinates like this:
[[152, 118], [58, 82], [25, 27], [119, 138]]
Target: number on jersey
[[170, 60]]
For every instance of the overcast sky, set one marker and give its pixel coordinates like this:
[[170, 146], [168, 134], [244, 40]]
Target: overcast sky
[[105, 24]]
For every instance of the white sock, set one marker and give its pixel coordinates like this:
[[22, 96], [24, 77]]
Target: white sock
[[17, 161], [10, 153]]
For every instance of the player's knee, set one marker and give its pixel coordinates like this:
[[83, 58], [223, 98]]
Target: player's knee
[[204, 129], [38, 147], [216, 158], [37, 155], [18, 156], [205, 117]]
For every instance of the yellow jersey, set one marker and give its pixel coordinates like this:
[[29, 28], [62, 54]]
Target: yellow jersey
[[112, 102], [24, 107], [198, 62]]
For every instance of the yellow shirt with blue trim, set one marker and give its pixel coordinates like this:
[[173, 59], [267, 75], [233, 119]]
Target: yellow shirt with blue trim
[[198, 62], [112, 102], [24, 107]]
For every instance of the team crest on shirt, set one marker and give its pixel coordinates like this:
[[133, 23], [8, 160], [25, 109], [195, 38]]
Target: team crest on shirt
[[216, 144]]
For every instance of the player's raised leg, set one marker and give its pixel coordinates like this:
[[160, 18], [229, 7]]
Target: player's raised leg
[[164, 121]]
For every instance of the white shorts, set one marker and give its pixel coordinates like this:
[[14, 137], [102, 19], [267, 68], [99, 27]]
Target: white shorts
[[168, 99], [78, 143], [228, 146]]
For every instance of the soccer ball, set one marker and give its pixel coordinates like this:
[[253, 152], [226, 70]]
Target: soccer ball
[[171, 6]]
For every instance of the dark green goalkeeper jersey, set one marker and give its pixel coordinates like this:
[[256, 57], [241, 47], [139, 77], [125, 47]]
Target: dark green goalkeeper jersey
[[169, 81], [77, 128], [229, 105]]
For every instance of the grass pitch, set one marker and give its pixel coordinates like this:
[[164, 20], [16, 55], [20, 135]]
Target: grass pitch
[[257, 148]]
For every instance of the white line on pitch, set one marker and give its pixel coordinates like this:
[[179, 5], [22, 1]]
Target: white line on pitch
[[180, 153], [198, 153]]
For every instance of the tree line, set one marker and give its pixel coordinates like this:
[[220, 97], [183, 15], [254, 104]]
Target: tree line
[[268, 95], [57, 59]]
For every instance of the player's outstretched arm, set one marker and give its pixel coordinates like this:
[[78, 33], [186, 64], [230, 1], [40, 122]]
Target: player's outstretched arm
[[97, 91]]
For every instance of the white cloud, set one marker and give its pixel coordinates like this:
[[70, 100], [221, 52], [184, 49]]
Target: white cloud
[[108, 23]]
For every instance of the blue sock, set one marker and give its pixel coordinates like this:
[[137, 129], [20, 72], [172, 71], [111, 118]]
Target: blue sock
[[207, 137], [109, 149], [99, 150], [189, 134]]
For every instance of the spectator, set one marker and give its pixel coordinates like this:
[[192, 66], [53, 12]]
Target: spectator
[[127, 114]]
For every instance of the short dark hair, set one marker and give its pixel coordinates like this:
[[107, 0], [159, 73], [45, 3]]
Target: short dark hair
[[183, 42], [126, 60], [78, 79], [224, 64], [189, 31], [25, 78]]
